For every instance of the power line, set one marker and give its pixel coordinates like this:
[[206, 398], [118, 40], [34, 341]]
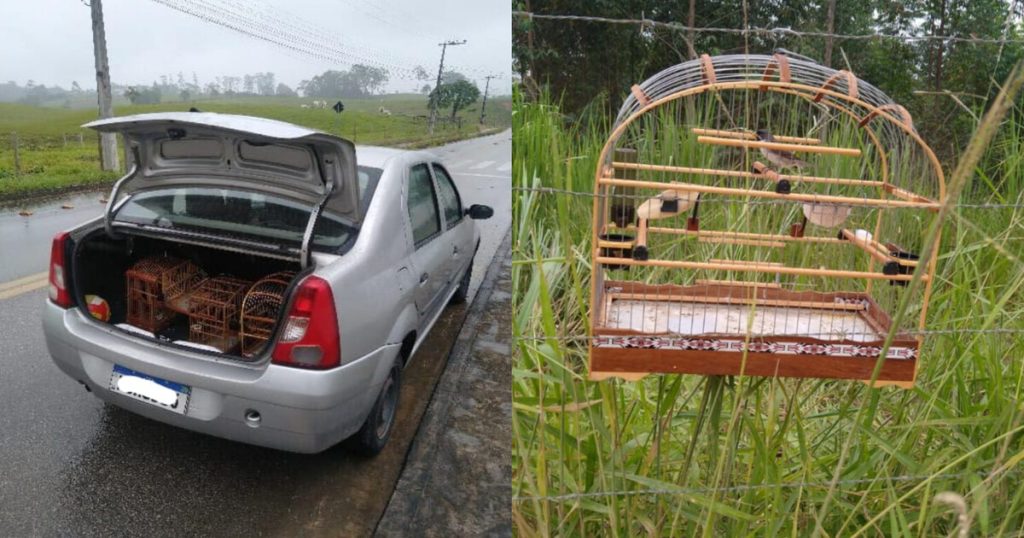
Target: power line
[[323, 50], [774, 32], [256, 19]]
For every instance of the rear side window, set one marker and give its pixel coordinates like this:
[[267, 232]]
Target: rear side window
[[449, 197], [422, 203]]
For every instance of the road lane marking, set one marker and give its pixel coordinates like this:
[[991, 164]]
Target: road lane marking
[[460, 164], [482, 164], [507, 167], [19, 286]]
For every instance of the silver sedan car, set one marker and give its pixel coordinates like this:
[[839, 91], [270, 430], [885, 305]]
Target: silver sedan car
[[250, 279]]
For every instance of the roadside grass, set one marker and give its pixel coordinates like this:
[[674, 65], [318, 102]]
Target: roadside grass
[[684, 455], [56, 153]]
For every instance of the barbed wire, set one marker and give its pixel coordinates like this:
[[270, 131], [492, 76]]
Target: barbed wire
[[745, 487], [762, 31], [725, 201]]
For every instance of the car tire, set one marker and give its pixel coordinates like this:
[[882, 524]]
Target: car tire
[[371, 438], [462, 293]]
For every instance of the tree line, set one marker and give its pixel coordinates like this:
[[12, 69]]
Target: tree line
[[455, 93]]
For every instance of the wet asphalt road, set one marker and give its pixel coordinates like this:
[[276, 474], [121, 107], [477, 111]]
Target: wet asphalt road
[[73, 466]]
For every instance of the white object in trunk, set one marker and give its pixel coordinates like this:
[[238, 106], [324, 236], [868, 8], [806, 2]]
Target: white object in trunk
[[194, 345], [135, 330]]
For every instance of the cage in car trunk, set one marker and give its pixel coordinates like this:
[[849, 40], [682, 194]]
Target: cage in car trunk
[[260, 309], [151, 284], [213, 308]]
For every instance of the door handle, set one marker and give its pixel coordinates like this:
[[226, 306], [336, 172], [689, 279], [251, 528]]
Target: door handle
[[424, 277], [455, 250]]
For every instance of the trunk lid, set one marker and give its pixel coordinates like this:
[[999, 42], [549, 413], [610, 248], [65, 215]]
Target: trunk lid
[[232, 151]]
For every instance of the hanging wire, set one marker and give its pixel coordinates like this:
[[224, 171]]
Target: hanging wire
[[748, 487], [564, 192], [767, 32]]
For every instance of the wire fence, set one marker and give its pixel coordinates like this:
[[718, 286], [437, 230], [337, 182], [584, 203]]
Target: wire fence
[[751, 487], [615, 196], [762, 31]]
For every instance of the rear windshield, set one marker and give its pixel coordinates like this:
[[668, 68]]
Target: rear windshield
[[253, 216]]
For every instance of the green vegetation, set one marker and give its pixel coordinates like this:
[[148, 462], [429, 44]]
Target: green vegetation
[[582, 59], [685, 455], [52, 157]]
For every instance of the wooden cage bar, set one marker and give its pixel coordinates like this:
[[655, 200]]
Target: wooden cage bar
[[742, 283], [738, 300], [748, 135], [756, 144], [907, 195], [851, 85], [795, 197], [744, 174], [756, 268], [781, 63]]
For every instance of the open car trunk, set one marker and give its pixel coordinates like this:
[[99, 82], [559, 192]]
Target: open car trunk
[[213, 300]]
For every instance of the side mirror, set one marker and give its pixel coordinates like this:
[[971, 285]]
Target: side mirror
[[480, 212]]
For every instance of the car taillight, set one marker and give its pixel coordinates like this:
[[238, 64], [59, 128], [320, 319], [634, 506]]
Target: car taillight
[[59, 294], [309, 337]]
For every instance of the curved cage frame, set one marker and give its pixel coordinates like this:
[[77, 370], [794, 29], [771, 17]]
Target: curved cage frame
[[885, 125], [261, 309]]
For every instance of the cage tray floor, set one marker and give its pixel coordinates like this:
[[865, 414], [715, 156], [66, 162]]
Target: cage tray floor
[[693, 318]]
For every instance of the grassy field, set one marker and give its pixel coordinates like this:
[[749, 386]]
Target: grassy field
[[675, 455], [56, 153]]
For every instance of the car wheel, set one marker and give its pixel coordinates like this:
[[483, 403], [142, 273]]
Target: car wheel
[[371, 438], [462, 293]]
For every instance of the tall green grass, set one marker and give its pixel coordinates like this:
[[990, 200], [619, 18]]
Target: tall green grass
[[675, 455], [51, 156]]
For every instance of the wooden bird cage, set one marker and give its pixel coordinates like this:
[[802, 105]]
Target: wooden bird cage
[[713, 257], [151, 283], [261, 309], [213, 309]]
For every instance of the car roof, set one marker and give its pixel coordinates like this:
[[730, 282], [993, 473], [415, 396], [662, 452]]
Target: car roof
[[379, 157]]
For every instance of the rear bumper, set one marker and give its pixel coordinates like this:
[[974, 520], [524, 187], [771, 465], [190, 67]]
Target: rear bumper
[[301, 410]]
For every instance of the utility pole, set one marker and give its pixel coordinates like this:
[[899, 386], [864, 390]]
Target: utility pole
[[108, 141], [483, 107], [440, 69]]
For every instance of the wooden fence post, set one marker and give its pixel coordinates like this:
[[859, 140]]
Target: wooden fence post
[[17, 159]]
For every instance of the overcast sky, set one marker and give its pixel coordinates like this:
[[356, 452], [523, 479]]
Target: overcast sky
[[50, 41]]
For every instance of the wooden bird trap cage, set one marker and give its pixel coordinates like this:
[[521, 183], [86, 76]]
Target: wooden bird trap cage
[[151, 283], [761, 215], [260, 310], [213, 312]]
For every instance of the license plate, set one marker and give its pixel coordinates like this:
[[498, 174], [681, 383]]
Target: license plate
[[159, 392]]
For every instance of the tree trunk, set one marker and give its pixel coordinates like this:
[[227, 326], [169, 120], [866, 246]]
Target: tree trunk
[[940, 46], [831, 30], [691, 21]]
